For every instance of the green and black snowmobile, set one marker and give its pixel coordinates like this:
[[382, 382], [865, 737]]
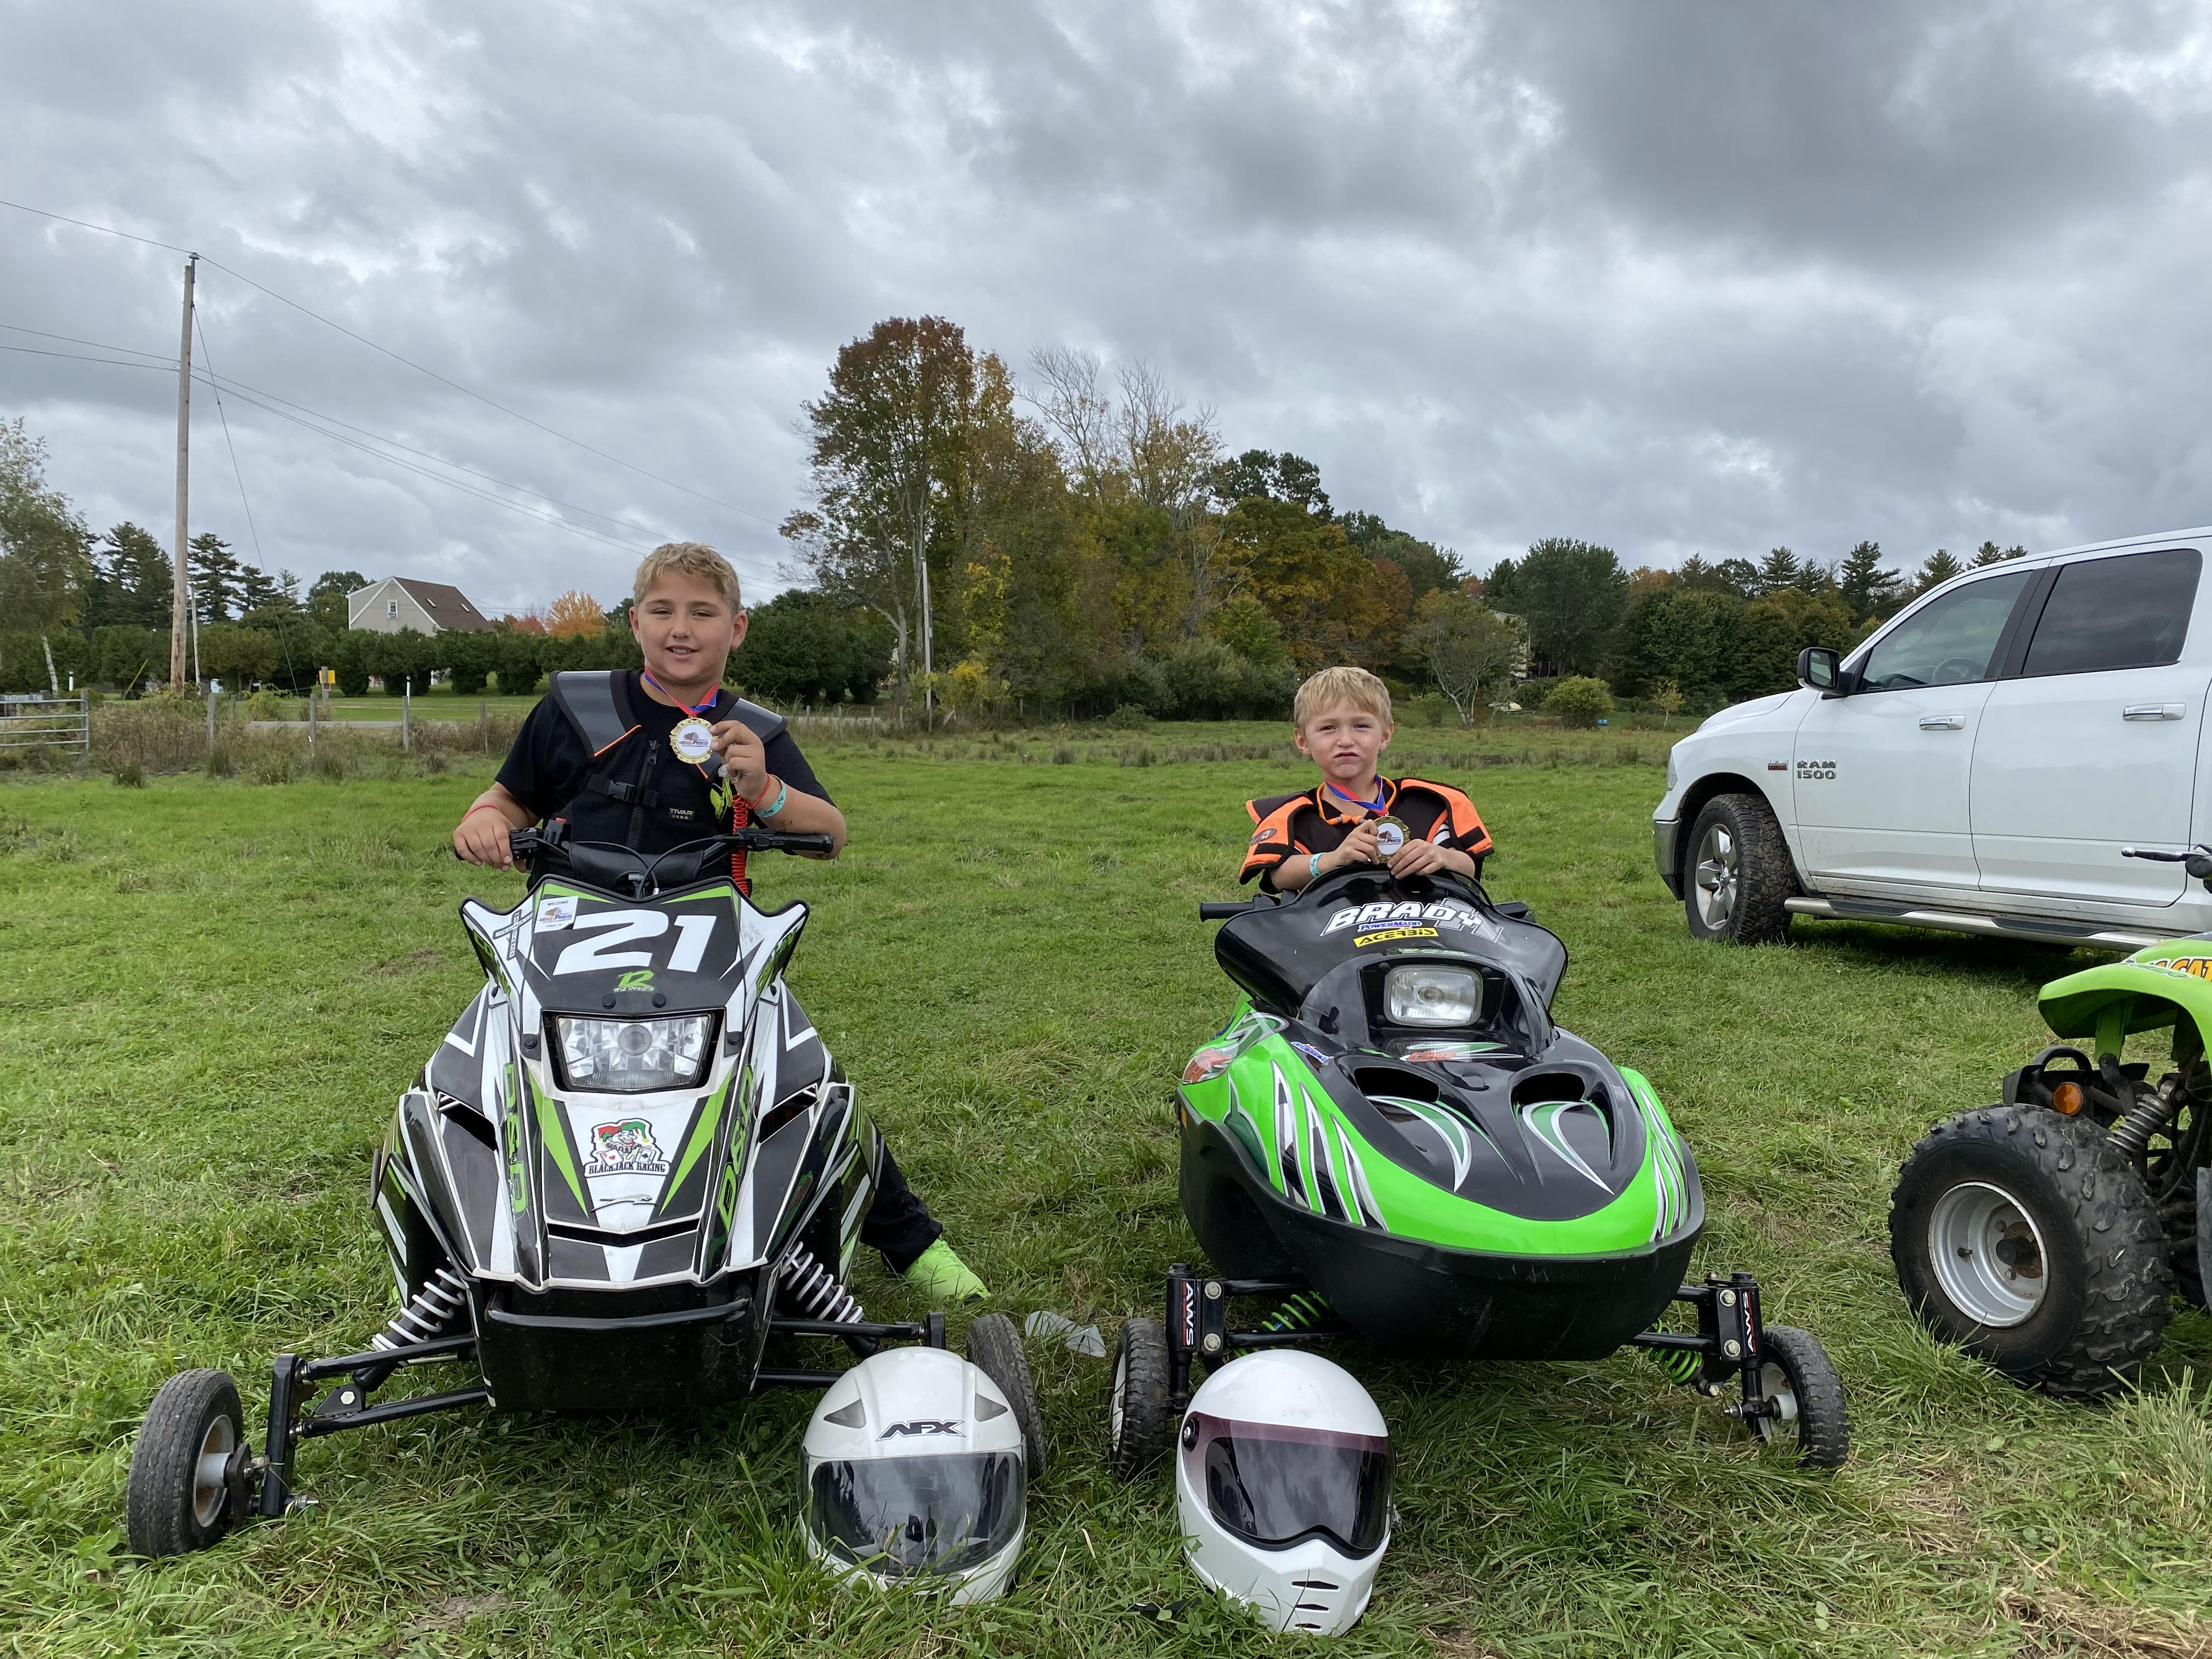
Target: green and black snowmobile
[[2048, 1233], [1392, 1140]]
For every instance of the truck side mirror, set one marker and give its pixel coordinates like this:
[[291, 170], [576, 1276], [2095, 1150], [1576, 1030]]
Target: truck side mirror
[[1821, 669]]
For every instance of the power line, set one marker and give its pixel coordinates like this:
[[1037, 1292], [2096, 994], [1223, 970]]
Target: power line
[[207, 358], [419, 369]]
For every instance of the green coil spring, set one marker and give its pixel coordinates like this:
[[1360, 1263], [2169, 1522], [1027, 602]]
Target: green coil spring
[[1679, 1363], [1303, 1311]]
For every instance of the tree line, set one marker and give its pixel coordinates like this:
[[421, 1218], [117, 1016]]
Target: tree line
[[1063, 544]]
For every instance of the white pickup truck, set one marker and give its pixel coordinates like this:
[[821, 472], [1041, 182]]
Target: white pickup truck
[[1980, 764]]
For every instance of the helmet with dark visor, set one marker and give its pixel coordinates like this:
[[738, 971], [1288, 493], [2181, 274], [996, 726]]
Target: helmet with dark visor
[[1274, 1485], [901, 1516]]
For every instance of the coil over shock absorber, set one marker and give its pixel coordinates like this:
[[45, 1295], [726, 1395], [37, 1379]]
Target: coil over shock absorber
[[1301, 1311], [2131, 1135], [815, 1289], [434, 1311]]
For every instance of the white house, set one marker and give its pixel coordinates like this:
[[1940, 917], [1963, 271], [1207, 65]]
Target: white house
[[398, 602]]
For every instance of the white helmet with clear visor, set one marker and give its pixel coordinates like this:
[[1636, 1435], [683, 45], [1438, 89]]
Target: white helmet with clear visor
[[1283, 1480], [912, 1470]]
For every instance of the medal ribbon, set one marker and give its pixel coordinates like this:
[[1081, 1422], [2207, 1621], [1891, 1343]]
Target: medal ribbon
[[1381, 798], [647, 675]]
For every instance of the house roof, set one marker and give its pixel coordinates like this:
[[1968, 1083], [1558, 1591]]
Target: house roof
[[446, 606]]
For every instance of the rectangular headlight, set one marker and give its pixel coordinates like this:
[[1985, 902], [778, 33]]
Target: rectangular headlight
[[631, 1056], [1427, 995]]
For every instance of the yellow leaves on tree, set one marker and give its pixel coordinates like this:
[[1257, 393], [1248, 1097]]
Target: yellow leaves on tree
[[573, 613]]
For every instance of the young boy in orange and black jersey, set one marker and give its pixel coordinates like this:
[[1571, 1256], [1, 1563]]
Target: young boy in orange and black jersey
[[1342, 722], [655, 757]]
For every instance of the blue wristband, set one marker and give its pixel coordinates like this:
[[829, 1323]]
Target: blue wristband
[[782, 794], [1313, 868]]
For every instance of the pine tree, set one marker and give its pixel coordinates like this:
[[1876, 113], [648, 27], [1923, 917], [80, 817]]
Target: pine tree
[[1867, 587], [218, 582], [1988, 553], [1939, 569], [1779, 570]]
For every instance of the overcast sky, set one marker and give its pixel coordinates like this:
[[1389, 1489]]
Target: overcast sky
[[1675, 277]]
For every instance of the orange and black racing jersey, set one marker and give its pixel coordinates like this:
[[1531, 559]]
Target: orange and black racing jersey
[[1291, 826]]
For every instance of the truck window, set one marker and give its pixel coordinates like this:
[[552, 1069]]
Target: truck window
[[2128, 613], [1951, 641]]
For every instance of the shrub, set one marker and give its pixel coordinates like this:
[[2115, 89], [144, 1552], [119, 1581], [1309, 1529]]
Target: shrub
[[1579, 700], [1129, 717]]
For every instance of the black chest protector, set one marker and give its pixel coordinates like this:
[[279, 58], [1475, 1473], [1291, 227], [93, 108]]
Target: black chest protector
[[639, 792]]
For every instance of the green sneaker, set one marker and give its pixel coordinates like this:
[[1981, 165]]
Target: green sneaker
[[938, 1273]]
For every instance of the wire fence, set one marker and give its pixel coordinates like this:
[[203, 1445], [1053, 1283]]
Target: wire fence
[[40, 722]]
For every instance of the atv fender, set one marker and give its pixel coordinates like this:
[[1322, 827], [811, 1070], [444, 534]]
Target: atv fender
[[2168, 984]]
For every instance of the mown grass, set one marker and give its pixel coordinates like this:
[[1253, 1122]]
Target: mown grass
[[210, 992]]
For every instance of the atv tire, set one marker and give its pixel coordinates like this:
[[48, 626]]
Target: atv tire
[[1797, 1372], [1139, 1412], [1736, 873], [2053, 1265], [995, 1346], [179, 1497]]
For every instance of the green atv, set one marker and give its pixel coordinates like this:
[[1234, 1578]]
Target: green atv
[[2048, 1233]]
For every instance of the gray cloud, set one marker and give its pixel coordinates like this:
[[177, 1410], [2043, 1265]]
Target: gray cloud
[[1683, 277]]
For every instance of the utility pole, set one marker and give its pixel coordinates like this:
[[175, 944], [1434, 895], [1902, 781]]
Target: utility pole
[[180, 598]]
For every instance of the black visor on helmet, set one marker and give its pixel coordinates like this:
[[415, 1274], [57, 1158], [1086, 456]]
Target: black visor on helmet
[[899, 1516], [1274, 1487]]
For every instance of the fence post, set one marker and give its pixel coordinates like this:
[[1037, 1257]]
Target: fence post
[[484, 725], [311, 715], [84, 714], [210, 704], [407, 713]]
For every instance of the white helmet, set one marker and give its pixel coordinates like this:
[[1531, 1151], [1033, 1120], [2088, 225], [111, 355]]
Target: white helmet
[[1283, 1480], [912, 1466]]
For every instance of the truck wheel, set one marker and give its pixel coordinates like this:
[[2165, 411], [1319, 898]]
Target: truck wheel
[[2023, 1236], [1739, 873]]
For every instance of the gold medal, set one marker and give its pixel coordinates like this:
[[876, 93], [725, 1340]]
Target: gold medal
[[692, 740], [1390, 835]]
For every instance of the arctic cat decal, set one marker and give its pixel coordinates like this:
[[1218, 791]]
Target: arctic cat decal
[[626, 1147], [1439, 913], [2186, 967]]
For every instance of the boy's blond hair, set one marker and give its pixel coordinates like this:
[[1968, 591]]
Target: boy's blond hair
[[1332, 686], [689, 559]]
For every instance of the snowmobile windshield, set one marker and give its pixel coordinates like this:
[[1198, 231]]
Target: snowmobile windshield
[[1273, 1486], [904, 1517]]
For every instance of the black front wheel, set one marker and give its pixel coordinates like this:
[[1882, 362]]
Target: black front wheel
[[1738, 875], [187, 1467], [2023, 1236], [1139, 1413], [1797, 1378], [995, 1346]]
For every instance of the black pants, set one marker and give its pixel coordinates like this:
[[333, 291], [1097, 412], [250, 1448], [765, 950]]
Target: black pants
[[898, 1224]]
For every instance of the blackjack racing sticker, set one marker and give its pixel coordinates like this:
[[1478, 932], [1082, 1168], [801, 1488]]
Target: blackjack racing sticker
[[626, 1147]]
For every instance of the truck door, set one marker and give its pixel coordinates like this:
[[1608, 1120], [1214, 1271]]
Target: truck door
[[1880, 775], [2091, 743]]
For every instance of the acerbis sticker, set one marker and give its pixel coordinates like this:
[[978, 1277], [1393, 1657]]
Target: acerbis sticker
[[1389, 933], [554, 913], [625, 1148]]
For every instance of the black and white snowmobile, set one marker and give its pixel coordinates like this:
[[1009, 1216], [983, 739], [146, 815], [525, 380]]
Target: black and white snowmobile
[[629, 1167]]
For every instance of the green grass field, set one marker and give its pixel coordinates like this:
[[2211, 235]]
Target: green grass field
[[211, 991]]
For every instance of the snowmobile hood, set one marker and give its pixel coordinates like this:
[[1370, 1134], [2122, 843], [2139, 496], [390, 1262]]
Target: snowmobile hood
[[2115, 1000], [1281, 953], [1466, 1144]]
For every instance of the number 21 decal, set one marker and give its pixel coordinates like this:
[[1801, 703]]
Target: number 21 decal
[[620, 927]]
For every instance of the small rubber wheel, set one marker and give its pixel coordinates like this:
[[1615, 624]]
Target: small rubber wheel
[[1797, 1375], [1139, 1411], [1739, 873], [2023, 1236], [994, 1345], [179, 1498]]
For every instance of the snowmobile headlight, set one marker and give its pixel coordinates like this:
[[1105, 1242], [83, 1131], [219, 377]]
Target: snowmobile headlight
[[631, 1056], [1428, 995]]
